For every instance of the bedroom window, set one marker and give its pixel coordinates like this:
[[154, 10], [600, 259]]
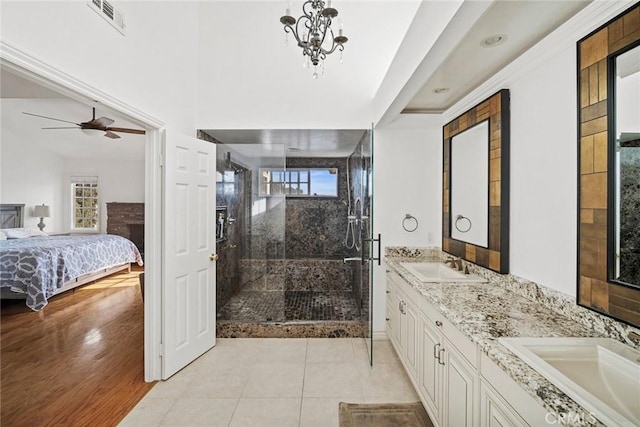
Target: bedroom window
[[85, 206]]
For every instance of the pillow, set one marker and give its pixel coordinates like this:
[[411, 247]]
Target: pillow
[[35, 232], [21, 233], [3, 236]]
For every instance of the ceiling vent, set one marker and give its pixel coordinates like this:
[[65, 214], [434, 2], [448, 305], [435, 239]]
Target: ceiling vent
[[109, 12]]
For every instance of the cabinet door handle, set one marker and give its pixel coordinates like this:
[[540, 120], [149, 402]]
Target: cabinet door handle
[[438, 323], [404, 305], [388, 291], [400, 306], [436, 353], [440, 360], [387, 318]]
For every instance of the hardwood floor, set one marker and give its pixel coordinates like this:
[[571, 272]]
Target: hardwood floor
[[79, 362]]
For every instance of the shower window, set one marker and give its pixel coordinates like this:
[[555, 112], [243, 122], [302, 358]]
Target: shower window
[[225, 182], [299, 182]]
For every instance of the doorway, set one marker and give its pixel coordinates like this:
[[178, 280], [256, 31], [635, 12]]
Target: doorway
[[39, 74]]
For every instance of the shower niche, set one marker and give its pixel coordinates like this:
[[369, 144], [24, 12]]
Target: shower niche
[[221, 224]]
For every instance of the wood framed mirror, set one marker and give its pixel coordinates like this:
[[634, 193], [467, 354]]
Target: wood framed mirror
[[604, 283], [479, 231]]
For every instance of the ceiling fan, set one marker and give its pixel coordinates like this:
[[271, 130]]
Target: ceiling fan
[[101, 124]]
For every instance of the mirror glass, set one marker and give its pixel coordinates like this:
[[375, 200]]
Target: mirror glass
[[627, 167], [469, 185]]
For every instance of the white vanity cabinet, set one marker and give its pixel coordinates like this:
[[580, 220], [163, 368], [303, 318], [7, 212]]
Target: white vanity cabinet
[[448, 379], [505, 403], [440, 370], [458, 385], [403, 327], [495, 411]]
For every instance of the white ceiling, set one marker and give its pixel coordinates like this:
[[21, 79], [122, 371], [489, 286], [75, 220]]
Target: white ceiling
[[19, 95], [376, 29], [524, 22]]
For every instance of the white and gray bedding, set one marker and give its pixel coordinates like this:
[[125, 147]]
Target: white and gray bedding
[[39, 266]]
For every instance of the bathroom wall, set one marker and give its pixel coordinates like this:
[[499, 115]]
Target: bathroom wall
[[407, 179], [544, 149]]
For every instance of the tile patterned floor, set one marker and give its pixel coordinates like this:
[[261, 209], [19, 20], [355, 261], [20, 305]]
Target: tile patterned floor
[[261, 382], [278, 306]]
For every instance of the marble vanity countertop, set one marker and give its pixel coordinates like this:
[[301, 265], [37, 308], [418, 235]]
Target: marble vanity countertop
[[485, 312]]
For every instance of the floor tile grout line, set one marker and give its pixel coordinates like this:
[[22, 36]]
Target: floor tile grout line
[[175, 400], [235, 408], [304, 375]]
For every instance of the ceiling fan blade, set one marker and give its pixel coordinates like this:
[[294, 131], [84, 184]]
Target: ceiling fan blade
[[111, 135], [126, 130], [50, 118], [101, 122], [70, 127]]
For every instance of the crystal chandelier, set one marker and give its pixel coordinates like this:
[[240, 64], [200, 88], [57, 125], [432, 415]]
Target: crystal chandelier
[[313, 32]]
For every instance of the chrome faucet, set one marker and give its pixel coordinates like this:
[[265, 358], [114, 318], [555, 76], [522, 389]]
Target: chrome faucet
[[455, 263]]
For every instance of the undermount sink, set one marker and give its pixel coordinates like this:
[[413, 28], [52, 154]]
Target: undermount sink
[[601, 374], [438, 272]]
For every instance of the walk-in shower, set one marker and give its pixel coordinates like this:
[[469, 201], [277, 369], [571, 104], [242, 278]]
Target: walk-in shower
[[286, 268]]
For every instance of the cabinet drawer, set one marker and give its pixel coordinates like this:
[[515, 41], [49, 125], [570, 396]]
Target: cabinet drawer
[[466, 347]]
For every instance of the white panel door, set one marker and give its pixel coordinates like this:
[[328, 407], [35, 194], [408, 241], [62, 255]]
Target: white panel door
[[430, 372], [459, 389], [412, 346], [189, 277]]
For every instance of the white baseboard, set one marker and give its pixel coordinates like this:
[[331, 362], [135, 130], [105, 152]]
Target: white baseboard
[[380, 335]]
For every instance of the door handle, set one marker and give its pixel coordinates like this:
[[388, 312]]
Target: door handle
[[436, 353], [213, 257], [440, 352]]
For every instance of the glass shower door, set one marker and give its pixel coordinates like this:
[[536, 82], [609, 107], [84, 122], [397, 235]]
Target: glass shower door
[[371, 247], [251, 231]]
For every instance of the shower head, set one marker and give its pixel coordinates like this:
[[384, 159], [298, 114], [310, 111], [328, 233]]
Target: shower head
[[231, 166]]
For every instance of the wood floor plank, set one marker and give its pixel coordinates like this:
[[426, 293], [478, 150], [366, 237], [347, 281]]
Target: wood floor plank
[[79, 362]]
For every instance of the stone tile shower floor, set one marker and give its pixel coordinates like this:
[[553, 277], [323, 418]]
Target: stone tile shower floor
[[265, 382], [266, 306]]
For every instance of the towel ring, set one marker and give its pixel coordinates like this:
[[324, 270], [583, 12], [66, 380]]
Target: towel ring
[[462, 218], [410, 223]]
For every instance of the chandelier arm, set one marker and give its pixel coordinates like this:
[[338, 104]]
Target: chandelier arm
[[334, 46], [326, 28], [299, 35], [289, 29]]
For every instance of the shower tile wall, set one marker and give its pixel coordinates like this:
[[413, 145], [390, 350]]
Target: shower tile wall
[[314, 241], [231, 250], [316, 229]]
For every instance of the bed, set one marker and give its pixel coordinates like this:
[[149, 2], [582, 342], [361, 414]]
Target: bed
[[39, 267]]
